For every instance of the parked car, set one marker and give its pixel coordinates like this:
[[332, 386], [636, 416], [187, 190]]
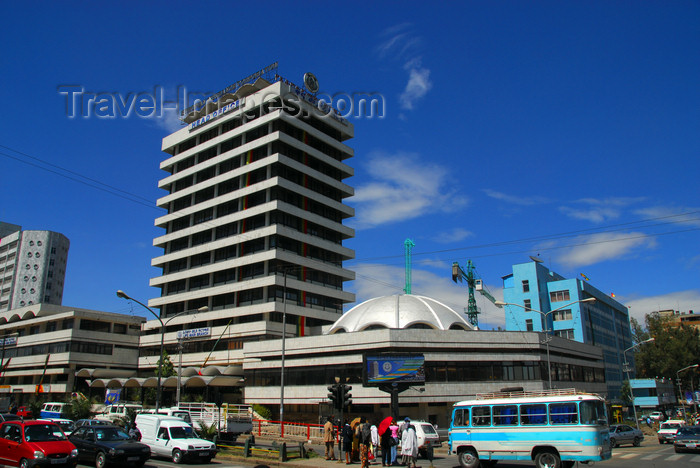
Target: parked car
[[667, 431], [657, 416], [67, 425], [90, 422], [9, 417], [687, 439], [35, 444], [24, 412], [624, 434], [109, 445]]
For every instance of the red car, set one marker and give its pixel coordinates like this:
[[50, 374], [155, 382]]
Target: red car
[[29, 444], [24, 412]]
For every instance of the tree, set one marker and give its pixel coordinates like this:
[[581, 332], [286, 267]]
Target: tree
[[80, 408], [674, 347], [168, 368]]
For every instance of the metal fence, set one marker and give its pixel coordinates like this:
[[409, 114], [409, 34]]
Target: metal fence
[[292, 431]]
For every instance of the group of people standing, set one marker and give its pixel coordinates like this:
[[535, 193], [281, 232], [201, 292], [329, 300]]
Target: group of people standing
[[364, 442]]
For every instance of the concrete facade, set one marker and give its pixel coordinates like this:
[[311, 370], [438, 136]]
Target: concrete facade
[[458, 365], [603, 323], [254, 212], [32, 267], [48, 344]]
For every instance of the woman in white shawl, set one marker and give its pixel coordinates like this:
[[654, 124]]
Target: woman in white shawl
[[409, 445], [375, 439]]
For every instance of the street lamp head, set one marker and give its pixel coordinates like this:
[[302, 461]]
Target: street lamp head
[[589, 299], [650, 340], [500, 303], [203, 309], [121, 294]]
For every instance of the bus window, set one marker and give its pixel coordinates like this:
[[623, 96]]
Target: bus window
[[461, 417], [533, 414], [593, 412], [505, 415], [563, 413], [481, 416]]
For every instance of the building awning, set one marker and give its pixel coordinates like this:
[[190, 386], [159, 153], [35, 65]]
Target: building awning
[[191, 377]]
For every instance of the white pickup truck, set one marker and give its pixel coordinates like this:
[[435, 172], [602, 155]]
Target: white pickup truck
[[169, 436]]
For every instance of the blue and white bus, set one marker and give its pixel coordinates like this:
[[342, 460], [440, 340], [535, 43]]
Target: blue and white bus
[[553, 428]]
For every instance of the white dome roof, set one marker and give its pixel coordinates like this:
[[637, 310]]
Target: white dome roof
[[400, 311]]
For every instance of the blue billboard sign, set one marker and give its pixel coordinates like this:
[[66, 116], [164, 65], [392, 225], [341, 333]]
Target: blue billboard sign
[[389, 369]]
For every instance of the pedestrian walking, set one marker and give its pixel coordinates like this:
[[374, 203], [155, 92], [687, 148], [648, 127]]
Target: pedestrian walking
[[375, 441], [346, 435], [394, 428], [365, 442], [387, 443], [329, 438], [409, 445]]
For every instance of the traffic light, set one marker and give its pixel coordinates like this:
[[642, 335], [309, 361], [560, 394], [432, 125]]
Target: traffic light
[[333, 394], [345, 396]]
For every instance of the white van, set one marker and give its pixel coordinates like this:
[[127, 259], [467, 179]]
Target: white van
[[170, 436], [52, 409], [119, 410], [177, 412]]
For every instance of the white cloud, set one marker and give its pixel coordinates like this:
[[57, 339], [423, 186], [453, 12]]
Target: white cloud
[[595, 248], [374, 280], [418, 86], [401, 45], [682, 301], [599, 210], [681, 215], [515, 199], [170, 121], [403, 187], [452, 236]]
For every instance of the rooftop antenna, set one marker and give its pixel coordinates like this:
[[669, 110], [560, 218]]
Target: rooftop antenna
[[408, 244]]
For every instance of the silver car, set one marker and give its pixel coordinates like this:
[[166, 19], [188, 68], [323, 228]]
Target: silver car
[[624, 434]]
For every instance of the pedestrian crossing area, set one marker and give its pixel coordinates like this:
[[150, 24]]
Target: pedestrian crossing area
[[670, 457]]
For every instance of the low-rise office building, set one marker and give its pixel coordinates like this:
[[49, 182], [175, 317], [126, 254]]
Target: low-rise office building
[[45, 345], [459, 362]]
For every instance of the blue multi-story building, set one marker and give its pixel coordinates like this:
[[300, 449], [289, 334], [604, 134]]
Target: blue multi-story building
[[538, 299]]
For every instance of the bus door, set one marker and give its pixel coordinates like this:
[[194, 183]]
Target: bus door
[[460, 432]]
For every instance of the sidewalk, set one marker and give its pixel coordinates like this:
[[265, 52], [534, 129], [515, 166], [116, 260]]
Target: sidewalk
[[316, 457]]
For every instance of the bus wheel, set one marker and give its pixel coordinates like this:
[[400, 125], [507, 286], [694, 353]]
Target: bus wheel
[[547, 459], [468, 458]]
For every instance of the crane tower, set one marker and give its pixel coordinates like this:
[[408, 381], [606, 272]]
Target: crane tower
[[408, 244], [473, 283]]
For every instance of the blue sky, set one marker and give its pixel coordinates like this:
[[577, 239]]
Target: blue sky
[[564, 129]]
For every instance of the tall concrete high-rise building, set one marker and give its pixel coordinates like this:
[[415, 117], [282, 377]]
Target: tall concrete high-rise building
[[32, 266], [253, 228]]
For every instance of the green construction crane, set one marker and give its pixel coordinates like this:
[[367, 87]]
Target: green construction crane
[[408, 244], [474, 283]]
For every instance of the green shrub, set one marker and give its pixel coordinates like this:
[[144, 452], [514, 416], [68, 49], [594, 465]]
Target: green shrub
[[263, 411]]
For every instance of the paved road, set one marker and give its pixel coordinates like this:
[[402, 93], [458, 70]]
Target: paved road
[[649, 455]]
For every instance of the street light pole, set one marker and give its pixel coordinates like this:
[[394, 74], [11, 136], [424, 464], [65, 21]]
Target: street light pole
[[627, 371], [680, 390], [121, 294], [547, 332]]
